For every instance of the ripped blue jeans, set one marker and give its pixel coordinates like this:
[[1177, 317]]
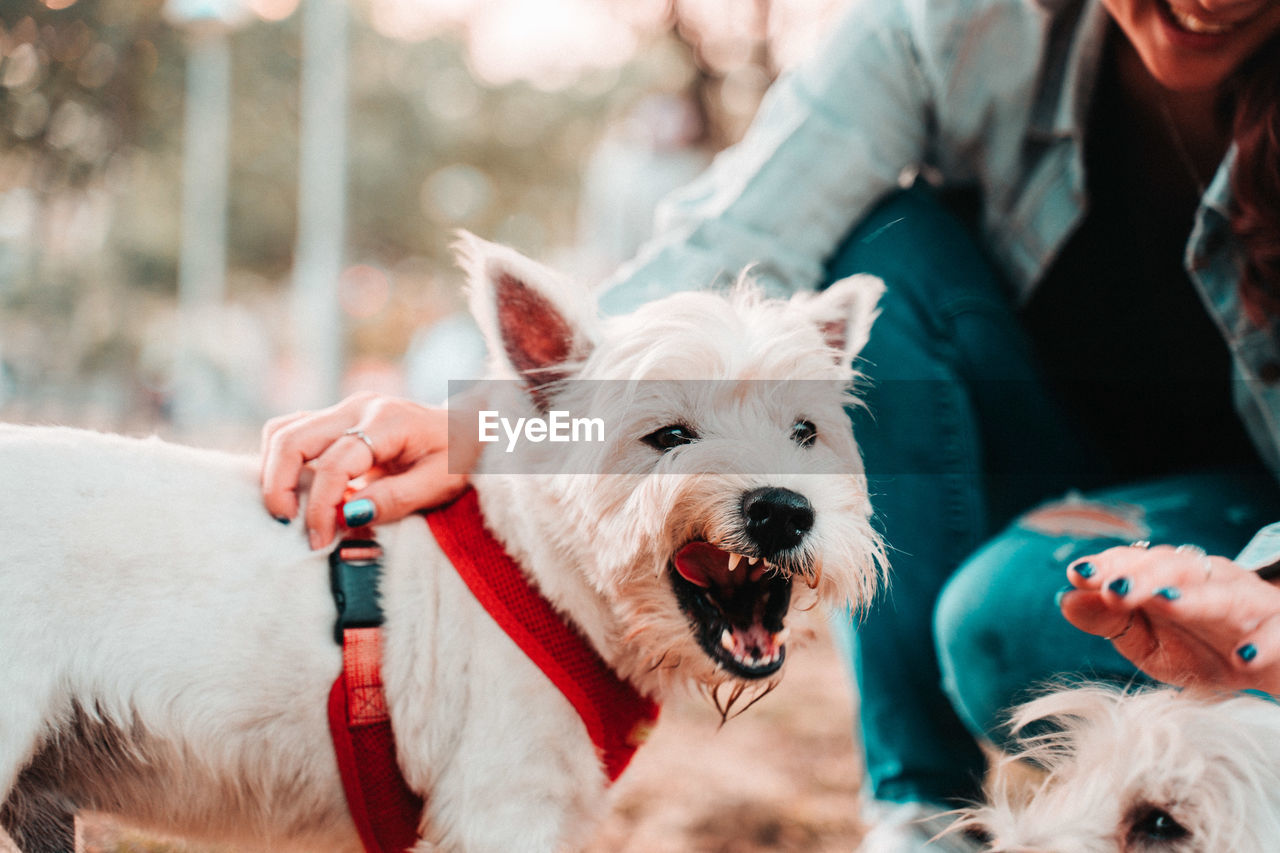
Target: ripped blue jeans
[[962, 441]]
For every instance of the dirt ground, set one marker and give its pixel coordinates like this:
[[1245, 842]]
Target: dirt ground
[[781, 777]]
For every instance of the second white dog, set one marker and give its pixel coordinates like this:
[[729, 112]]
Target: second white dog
[[1130, 772], [166, 648]]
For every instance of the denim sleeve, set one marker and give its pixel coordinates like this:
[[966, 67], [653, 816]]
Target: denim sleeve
[[1263, 549], [830, 138]]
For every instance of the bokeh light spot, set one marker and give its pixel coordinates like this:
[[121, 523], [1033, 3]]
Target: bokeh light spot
[[97, 66], [457, 193], [21, 68], [363, 291], [273, 10]]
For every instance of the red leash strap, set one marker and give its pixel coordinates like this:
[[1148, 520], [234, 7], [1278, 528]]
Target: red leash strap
[[618, 718], [385, 811]]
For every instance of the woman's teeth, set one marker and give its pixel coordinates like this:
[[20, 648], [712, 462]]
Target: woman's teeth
[[1193, 24]]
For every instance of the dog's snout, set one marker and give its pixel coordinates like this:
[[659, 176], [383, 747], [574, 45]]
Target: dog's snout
[[777, 519]]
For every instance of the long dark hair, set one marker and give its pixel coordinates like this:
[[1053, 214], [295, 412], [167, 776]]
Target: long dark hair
[[1255, 183]]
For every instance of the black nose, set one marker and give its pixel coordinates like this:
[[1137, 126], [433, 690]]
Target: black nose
[[777, 519]]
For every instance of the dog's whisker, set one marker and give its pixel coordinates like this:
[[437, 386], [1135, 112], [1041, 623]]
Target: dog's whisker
[[812, 580], [715, 698], [805, 608], [734, 695], [768, 688], [658, 663]]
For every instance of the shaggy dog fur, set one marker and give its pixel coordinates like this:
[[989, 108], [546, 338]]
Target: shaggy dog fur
[[1142, 771], [168, 647]]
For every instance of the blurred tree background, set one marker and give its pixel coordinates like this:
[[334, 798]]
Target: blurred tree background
[[489, 115]]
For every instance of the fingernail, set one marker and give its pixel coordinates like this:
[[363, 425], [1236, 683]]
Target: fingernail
[[314, 538], [1169, 593], [358, 513], [1120, 586], [1085, 570], [282, 519], [1247, 652], [1061, 594]]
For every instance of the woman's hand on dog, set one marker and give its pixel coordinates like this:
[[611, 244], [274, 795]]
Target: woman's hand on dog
[[401, 468], [1181, 616]]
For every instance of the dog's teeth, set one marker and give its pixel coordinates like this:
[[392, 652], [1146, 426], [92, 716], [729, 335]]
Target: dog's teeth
[[726, 640], [751, 561], [734, 558], [781, 637]]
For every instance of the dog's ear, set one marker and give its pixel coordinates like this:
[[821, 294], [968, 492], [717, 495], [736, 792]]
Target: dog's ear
[[844, 312], [538, 324]]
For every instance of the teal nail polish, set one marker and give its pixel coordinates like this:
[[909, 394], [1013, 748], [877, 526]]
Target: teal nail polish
[[1061, 594], [1085, 570], [1247, 652], [1169, 593], [1120, 586], [280, 518], [358, 513]]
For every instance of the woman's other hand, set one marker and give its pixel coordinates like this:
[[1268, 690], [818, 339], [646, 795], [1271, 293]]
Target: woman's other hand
[[1180, 615], [392, 452]]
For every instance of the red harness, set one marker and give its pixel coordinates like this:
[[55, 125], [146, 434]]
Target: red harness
[[617, 717]]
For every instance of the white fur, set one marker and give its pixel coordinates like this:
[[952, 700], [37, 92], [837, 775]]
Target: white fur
[[145, 592], [1212, 764]]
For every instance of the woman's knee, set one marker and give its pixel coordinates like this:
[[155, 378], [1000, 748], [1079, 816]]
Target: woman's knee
[[975, 641], [1000, 634], [998, 629]]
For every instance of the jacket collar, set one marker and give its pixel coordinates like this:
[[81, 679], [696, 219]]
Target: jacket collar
[[1073, 59]]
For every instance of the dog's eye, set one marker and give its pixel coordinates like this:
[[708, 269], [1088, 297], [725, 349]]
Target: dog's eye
[[804, 433], [670, 437], [1151, 823]]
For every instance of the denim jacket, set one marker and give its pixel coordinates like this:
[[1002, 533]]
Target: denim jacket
[[992, 93]]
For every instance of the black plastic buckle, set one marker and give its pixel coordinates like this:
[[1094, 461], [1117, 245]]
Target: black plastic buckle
[[355, 567]]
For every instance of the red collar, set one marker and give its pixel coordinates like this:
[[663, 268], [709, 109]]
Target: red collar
[[618, 718]]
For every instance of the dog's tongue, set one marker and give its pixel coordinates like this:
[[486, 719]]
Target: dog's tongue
[[703, 564]]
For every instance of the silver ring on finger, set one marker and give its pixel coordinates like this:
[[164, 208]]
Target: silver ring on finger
[[1197, 551], [368, 442], [1123, 630]]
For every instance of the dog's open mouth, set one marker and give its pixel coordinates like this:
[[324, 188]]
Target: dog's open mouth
[[736, 606]]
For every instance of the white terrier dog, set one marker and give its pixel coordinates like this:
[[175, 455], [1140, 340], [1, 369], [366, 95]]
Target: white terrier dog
[[167, 647], [1145, 770]]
